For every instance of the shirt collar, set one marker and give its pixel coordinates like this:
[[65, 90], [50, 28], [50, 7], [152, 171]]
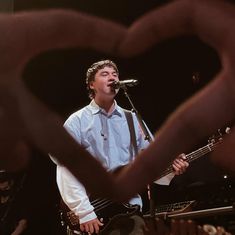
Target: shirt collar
[[96, 109]]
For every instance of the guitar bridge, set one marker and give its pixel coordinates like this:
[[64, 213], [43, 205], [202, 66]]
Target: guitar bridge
[[73, 219]]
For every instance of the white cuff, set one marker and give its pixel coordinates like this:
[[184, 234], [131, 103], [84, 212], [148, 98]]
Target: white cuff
[[87, 218]]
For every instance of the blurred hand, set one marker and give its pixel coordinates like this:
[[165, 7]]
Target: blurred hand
[[179, 164], [92, 226]]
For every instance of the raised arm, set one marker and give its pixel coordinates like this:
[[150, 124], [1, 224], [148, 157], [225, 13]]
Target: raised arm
[[25, 121], [211, 108], [26, 34]]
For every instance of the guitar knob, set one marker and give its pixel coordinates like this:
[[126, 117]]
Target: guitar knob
[[210, 229], [227, 130]]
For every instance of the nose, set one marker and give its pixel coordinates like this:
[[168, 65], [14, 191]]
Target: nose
[[113, 78]]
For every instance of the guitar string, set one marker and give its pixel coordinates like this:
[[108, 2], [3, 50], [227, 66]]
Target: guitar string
[[100, 204], [190, 157], [193, 156]]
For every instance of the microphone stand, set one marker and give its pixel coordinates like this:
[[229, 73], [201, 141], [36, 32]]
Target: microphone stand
[[149, 139]]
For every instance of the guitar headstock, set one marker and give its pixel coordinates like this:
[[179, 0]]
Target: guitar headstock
[[219, 135]]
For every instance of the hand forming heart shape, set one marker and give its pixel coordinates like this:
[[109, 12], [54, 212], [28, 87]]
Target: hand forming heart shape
[[24, 119]]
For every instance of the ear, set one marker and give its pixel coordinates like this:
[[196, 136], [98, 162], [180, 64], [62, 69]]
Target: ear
[[91, 85]]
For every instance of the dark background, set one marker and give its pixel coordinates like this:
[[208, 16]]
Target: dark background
[[168, 74]]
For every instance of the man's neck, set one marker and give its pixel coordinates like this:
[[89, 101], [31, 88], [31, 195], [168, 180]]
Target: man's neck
[[106, 104]]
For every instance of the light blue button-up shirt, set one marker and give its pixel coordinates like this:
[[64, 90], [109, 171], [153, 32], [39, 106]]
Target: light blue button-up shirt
[[107, 138]]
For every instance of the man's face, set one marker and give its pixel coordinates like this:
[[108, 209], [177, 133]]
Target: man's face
[[103, 81]]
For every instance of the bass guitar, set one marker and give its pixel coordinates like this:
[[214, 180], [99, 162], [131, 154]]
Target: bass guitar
[[107, 211], [213, 142], [185, 206]]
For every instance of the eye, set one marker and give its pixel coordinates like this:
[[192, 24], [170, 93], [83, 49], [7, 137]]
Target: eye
[[104, 74]]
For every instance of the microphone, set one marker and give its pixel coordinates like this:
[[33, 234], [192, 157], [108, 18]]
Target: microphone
[[124, 83]]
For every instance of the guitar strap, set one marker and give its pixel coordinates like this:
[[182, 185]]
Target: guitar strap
[[130, 122]]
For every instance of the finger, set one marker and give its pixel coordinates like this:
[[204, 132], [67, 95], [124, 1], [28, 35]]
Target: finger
[[179, 161], [179, 169], [100, 223], [161, 228], [96, 227], [220, 230], [191, 227], [17, 156], [87, 229], [182, 156], [181, 164], [183, 227], [175, 227], [82, 228], [186, 164], [91, 227], [171, 15], [60, 22], [200, 231], [209, 229]]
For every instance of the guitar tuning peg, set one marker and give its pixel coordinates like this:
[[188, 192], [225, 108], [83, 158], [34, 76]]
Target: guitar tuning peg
[[211, 139], [227, 130]]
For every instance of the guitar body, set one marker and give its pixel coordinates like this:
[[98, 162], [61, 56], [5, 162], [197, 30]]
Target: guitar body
[[108, 212]]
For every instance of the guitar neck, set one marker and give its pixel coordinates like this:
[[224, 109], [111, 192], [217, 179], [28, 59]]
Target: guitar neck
[[193, 156]]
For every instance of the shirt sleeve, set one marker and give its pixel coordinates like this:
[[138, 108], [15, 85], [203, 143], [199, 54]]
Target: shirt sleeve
[[72, 191], [74, 195]]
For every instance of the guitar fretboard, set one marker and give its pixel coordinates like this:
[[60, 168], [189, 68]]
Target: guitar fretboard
[[194, 155]]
